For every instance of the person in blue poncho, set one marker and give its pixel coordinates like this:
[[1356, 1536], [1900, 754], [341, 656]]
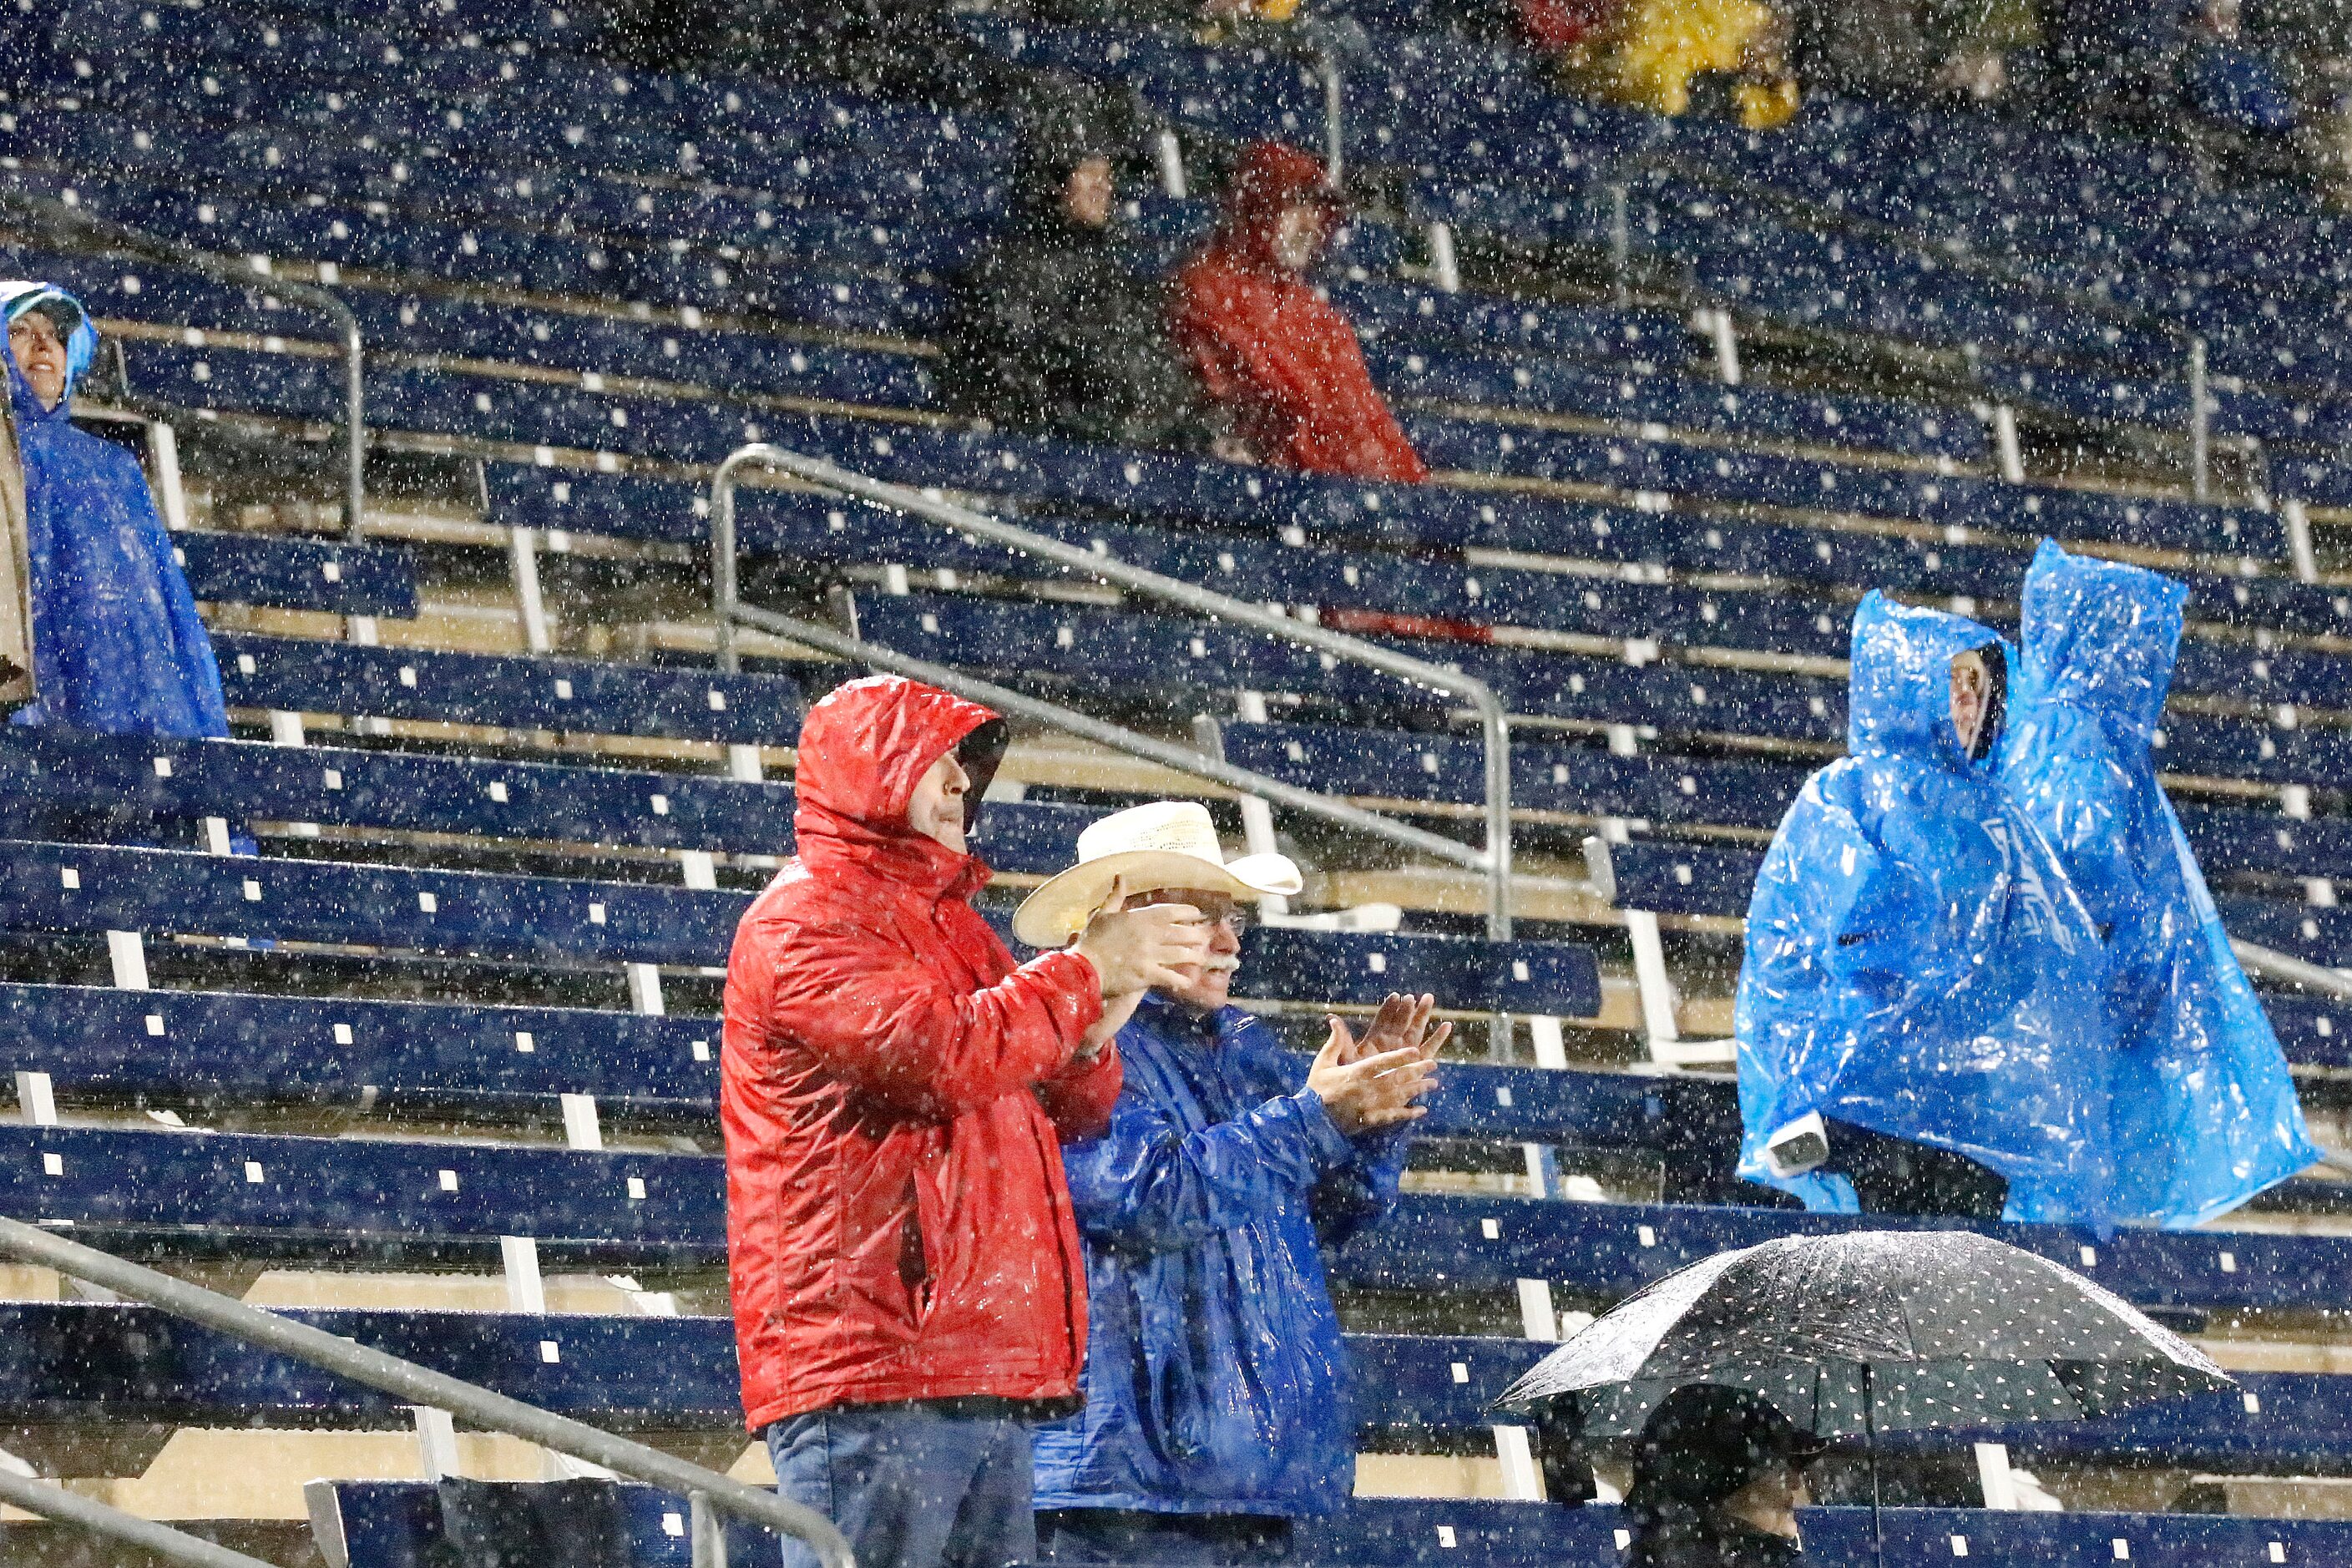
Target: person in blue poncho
[[1217, 1407], [1920, 1015], [117, 646], [2205, 1115]]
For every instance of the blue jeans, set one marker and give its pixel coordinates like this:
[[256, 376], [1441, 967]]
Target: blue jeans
[[932, 1484]]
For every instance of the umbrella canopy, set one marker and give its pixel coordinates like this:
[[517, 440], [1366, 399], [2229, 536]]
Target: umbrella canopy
[[1881, 1331]]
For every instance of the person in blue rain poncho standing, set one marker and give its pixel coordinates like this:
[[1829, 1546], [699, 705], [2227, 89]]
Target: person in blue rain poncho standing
[[2205, 1115], [117, 645], [1217, 1407], [1920, 1015]]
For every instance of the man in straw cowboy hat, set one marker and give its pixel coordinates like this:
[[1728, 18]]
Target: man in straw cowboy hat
[[1216, 1385], [904, 1256]]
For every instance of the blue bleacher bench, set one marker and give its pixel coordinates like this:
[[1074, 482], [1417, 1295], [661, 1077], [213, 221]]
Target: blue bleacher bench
[[89, 887], [397, 1524], [88, 1362], [298, 574], [195, 1189], [219, 1048], [587, 696], [497, 799]]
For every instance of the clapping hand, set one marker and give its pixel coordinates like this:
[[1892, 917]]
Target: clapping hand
[[1374, 1084]]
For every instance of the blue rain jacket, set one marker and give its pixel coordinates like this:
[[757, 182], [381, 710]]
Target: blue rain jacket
[[117, 645], [1216, 1381], [1917, 961], [2205, 1114]]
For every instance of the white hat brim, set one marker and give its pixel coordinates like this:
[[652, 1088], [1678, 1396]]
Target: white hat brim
[[1061, 907]]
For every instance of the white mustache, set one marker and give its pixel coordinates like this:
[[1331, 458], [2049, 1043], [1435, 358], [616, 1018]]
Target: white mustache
[[1220, 963]]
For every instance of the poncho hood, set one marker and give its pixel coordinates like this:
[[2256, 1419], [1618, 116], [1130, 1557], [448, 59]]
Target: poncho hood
[[1900, 690], [19, 297], [2100, 635]]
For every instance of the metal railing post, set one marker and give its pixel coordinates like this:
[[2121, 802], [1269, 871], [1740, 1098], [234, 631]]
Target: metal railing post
[[2201, 422], [122, 239], [1170, 154], [1621, 242], [1335, 130], [727, 608], [1444, 264], [2299, 542], [52, 1502], [708, 1528], [413, 1384]]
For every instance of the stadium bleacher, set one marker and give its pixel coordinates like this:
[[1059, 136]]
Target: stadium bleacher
[[462, 998]]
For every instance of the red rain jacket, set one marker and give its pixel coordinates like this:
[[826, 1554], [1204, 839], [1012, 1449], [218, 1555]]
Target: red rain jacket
[[1564, 24], [894, 1094], [1266, 345]]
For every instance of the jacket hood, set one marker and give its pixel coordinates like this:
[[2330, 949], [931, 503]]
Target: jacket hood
[[1899, 693], [1063, 136], [2100, 634], [863, 749], [17, 298], [1268, 179]]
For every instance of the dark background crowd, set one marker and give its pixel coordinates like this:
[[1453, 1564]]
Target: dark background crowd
[[2275, 73]]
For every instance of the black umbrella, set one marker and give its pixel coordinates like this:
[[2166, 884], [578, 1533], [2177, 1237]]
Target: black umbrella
[[1873, 1331]]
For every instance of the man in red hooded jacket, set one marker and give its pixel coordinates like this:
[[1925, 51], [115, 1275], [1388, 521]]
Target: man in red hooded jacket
[[909, 1293], [1265, 344]]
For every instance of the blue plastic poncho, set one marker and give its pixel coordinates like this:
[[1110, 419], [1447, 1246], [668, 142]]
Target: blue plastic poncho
[[1216, 1378], [2205, 1114], [117, 645], [1918, 963]]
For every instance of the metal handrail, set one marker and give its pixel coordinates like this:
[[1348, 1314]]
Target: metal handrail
[[706, 1490], [123, 239], [1494, 862], [2277, 965], [52, 1502]]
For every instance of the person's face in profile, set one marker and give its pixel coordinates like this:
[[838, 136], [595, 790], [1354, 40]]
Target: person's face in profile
[[40, 355], [1770, 1501], [1206, 986], [1086, 196], [1972, 686], [1298, 236], [936, 809]]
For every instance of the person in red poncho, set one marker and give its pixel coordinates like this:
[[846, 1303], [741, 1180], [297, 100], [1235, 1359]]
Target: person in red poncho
[[1266, 345], [909, 1295]]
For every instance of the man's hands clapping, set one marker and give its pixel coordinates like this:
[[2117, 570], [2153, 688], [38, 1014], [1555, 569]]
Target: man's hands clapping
[[1374, 1084]]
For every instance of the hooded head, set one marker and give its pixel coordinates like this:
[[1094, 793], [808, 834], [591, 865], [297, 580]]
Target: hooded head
[[863, 750], [1899, 695], [2100, 634], [1268, 181], [18, 299], [1062, 137], [1703, 1443]]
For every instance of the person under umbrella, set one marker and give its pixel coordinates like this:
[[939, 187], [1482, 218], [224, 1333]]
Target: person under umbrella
[[1718, 1476], [1851, 1335]]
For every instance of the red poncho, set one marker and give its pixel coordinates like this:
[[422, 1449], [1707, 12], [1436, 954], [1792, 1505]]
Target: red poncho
[[1269, 348]]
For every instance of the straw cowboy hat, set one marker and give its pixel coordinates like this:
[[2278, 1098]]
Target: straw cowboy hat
[[1168, 844]]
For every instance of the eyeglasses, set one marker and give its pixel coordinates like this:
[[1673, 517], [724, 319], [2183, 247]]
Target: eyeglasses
[[1236, 921]]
